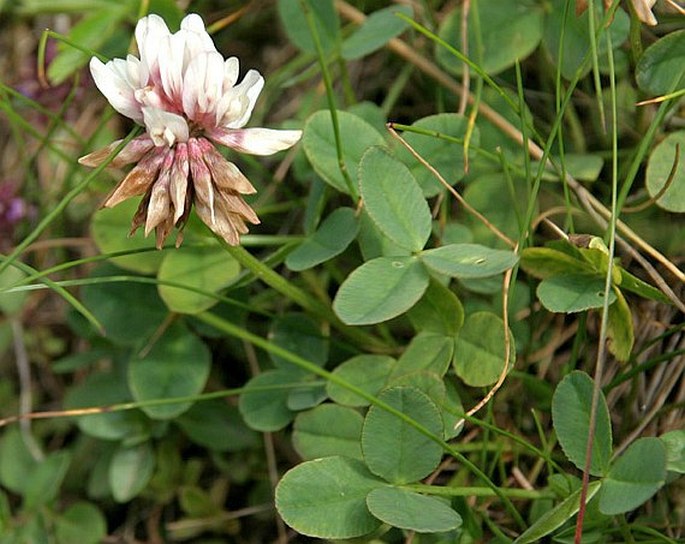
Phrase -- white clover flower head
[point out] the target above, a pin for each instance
(188, 98)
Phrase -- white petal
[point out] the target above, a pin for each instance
(230, 107)
(213, 83)
(171, 51)
(133, 70)
(231, 70)
(256, 141)
(165, 128)
(151, 25)
(150, 31)
(247, 91)
(195, 39)
(113, 81)
(194, 23)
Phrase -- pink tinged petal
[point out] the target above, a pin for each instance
(246, 92)
(202, 182)
(255, 141)
(179, 180)
(132, 152)
(160, 199)
(213, 82)
(113, 81)
(165, 128)
(171, 66)
(192, 83)
(227, 225)
(225, 228)
(138, 180)
(202, 85)
(225, 174)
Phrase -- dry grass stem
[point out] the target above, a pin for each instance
(452, 190)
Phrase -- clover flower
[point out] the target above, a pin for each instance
(188, 98)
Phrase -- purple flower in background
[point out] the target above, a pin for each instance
(13, 210)
(189, 99)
